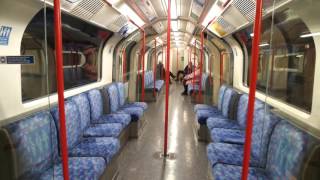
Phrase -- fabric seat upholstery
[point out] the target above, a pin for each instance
(96, 109)
(105, 147)
(122, 101)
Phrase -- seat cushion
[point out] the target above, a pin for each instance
(142, 105)
(214, 122)
(232, 172)
(135, 112)
(122, 118)
(85, 168)
(103, 130)
(203, 115)
(114, 97)
(205, 107)
(224, 153)
(232, 136)
(105, 147)
(192, 88)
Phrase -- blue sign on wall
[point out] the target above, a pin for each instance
(4, 35)
(16, 59)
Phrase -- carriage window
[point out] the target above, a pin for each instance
(287, 59)
(81, 54)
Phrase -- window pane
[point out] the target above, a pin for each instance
(286, 67)
(82, 44)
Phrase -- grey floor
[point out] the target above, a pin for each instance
(140, 158)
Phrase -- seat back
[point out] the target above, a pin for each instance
(114, 97)
(243, 108)
(221, 94)
(73, 126)
(226, 101)
(204, 81)
(34, 143)
(96, 104)
(83, 104)
(121, 93)
(288, 150)
(263, 126)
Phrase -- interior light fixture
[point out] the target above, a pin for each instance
(174, 14)
(214, 12)
(127, 11)
(264, 44)
(251, 34)
(310, 35)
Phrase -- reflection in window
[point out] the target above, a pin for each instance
(81, 54)
(286, 67)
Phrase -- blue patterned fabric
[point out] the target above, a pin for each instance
(35, 141)
(135, 112)
(232, 136)
(203, 115)
(123, 119)
(121, 94)
(105, 147)
(83, 104)
(288, 148)
(214, 122)
(159, 84)
(198, 107)
(104, 130)
(148, 79)
(96, 104)
(232, 172)
(204, 79)
(224, 153)
(142, 105)
(84, 168)
(114, 99)
(226, 101)
(243, 108)
(72, 122)
(221, 94)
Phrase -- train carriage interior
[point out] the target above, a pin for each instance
(159, 89)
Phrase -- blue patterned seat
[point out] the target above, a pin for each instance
(192, 88)
(96, 109)
(84, 168)
(105, 147)
(96, 130)
(214, 122)
(209, 107)
(232, 172)
(232, 136)
(122, 101)
(36, 151)
(135, 112)
(287, 154)
(264, 124)
(203, 115)
(149, 82)
(159, 85)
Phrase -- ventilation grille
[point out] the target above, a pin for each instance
(246, 7)
(117, 23)
(87, 8)
(225, 25)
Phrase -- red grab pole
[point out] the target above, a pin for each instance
(252, 91)
(221, 67)
(143, 55)
(165, 148)
(154, 67)
(194, 64)
(124, 64)
(201, 64)
(60, 88)
(161, 70)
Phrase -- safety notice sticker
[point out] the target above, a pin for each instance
(4, 35)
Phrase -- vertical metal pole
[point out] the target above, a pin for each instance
(167, 81)
(252, 91)
(154, 68)
(124, 64)
(60, 88)
(221, 67)
(143, 55)
(201, 64)
(177, 60)
(194, 64)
